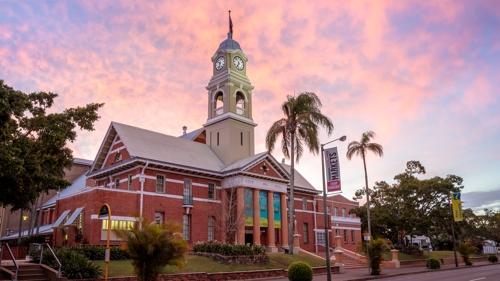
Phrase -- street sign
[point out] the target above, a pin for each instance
(366, 236)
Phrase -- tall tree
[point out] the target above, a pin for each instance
(361, 148)
(298, 129)
(33, 144)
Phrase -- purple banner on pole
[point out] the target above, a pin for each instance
(332, 170)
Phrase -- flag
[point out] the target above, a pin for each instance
(230, 24)
(456, 204)
(332, 170)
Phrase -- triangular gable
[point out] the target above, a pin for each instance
(253, 165)
(104, 149)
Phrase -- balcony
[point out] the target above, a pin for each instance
(187, 200)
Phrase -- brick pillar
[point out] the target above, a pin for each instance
(223, 212)
(284, 222)
(256, 217)
(240, 209)
(271, 245)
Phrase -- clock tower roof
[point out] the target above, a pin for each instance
(229, 44)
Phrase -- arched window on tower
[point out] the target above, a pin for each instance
(240, 104)
(219, 104)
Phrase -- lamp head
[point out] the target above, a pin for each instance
(343, 138)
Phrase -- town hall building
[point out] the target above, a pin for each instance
(209, 180)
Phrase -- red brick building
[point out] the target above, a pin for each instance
(209, 180)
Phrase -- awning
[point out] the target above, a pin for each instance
(60, 219)
(73, 216)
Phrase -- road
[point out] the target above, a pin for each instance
(484, 273)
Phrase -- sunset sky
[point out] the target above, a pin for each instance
(423, 75)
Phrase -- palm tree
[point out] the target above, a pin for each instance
(361, 149)
(153, 247)
(297, 129)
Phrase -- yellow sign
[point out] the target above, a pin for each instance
(456, 204)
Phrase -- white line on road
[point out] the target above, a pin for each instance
(477, 279)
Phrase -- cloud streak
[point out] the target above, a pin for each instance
(423, 75)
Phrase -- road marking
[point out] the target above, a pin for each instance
(477, 279)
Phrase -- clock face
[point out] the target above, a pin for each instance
(219, 63)
(238, 63)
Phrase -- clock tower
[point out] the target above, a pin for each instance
(229, 127)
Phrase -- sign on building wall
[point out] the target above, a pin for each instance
(456, 203)
(277, 210)
(332, 170)
(248, 207)
(264, 222)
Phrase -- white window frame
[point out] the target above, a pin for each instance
(129, 182)
(186, 226)
(160, 183)
(211, 228)
(320, 238)
(336, 212)
(304, 203)
(117, 183)
(345, 236)
(211, 191)
(352, 237)
(306, 240)
(343, 212)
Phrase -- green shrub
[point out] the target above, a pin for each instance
(466, 250)
(433, 263)
(376, 249)
(492, 258)
(229, 249)
(74, 264)
(300, 271)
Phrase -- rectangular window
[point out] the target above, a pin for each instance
(211, 226)
(304, 203)
(129, 182)
(343, 212)
(345, 236)
(328, 209)
(159, 217)
(186, 227)
(336, 211)
(320, 238)
(160, 184)
(117, 183)
(105, 184)
(115, 224)
(217, 138)
(211, 191)
(187, 197)
(352, 236)
(241, 138)
(305, 233)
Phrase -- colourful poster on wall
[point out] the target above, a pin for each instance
(248, 207)
(277, 210)
(263, 208)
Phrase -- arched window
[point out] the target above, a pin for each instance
(219, 104)
(240, 104)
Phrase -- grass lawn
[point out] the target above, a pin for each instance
(202, 264)
(434, 254)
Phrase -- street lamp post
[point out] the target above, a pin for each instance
(327, 244)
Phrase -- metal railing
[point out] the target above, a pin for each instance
(53, 254)
(12, 257)
(187, 200)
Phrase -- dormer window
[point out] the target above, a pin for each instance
(240, 104)
(118, 157)
(219, 104)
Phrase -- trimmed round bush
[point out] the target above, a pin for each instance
(493, 259)
(300, 271)
(433, 263)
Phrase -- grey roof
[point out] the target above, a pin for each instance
(192, 135)
(156, 146)
(82, 161)
(299, 180)
(44, 229)
(229, 44)
(244, 162)
(75, 187)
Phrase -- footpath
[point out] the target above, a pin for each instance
(359, 274)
